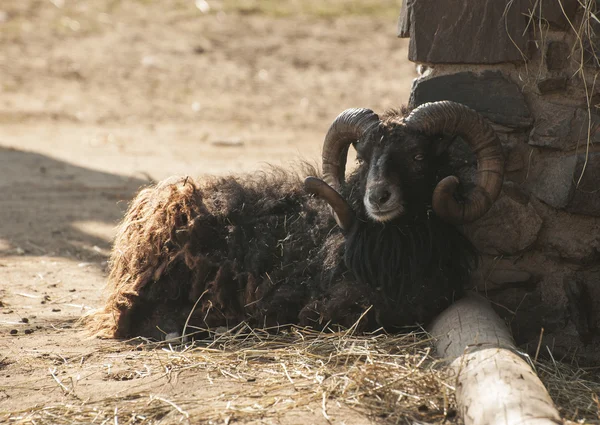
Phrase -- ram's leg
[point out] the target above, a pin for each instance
(494, 384)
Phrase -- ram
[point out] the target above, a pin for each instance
(262, 248)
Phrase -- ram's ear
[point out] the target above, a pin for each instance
(442, 143)
(342, 212)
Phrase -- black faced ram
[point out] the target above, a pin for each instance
(259, 248)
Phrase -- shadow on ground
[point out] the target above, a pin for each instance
(51, 207)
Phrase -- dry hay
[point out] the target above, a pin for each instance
(575, 391)
(388, 378)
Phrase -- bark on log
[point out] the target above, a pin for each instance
(494, 384)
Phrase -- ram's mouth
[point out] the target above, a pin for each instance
(384, 215)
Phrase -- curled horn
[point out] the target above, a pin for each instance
(342, 211)
(456, 119)
(347, 128)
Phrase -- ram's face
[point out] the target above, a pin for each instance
(400, 169)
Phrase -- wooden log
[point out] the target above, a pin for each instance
(494, 384)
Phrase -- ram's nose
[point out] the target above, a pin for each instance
(378, 196)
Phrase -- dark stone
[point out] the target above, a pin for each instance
(514, 160)
(504, 277)
(591, 55)
(463, 31)
(557, 55)
(586, 186)
(531, 313)
(497, 279)
(490, 93)
(550, 180)
(591, 46)
(580, 126)
(553, 127)
(562, 182)
(515, 192)
(583, 294)
(552, 12)
(496, 273)
(509, 227)
(552, 84)
(568, 238)
(516, 152)
(564, 127)
(571, 243)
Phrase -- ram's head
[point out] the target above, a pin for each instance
(399, 163)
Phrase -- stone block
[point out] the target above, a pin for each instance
(551, 180)
(591, 43)
(509, 276)
(564, 127)
(515, 192)
(552, 128)
(557, 55)
(516, 160)
(565, 237)
(516, 152)
(583, 292)
(532, 313)
(552, 84)
(570, 242)
(509, 227)
(579, 128)
(586, 186)
(463, 31)
(571, 182)
(557, 13)
(489, 93)
(499, 278)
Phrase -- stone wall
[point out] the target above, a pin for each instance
(529, 66)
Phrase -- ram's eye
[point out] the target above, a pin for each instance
(419, 157)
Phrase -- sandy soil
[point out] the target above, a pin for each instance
(98, 98)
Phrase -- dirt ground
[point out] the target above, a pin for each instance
(98, 98)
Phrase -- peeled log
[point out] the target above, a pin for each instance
(494, 385)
